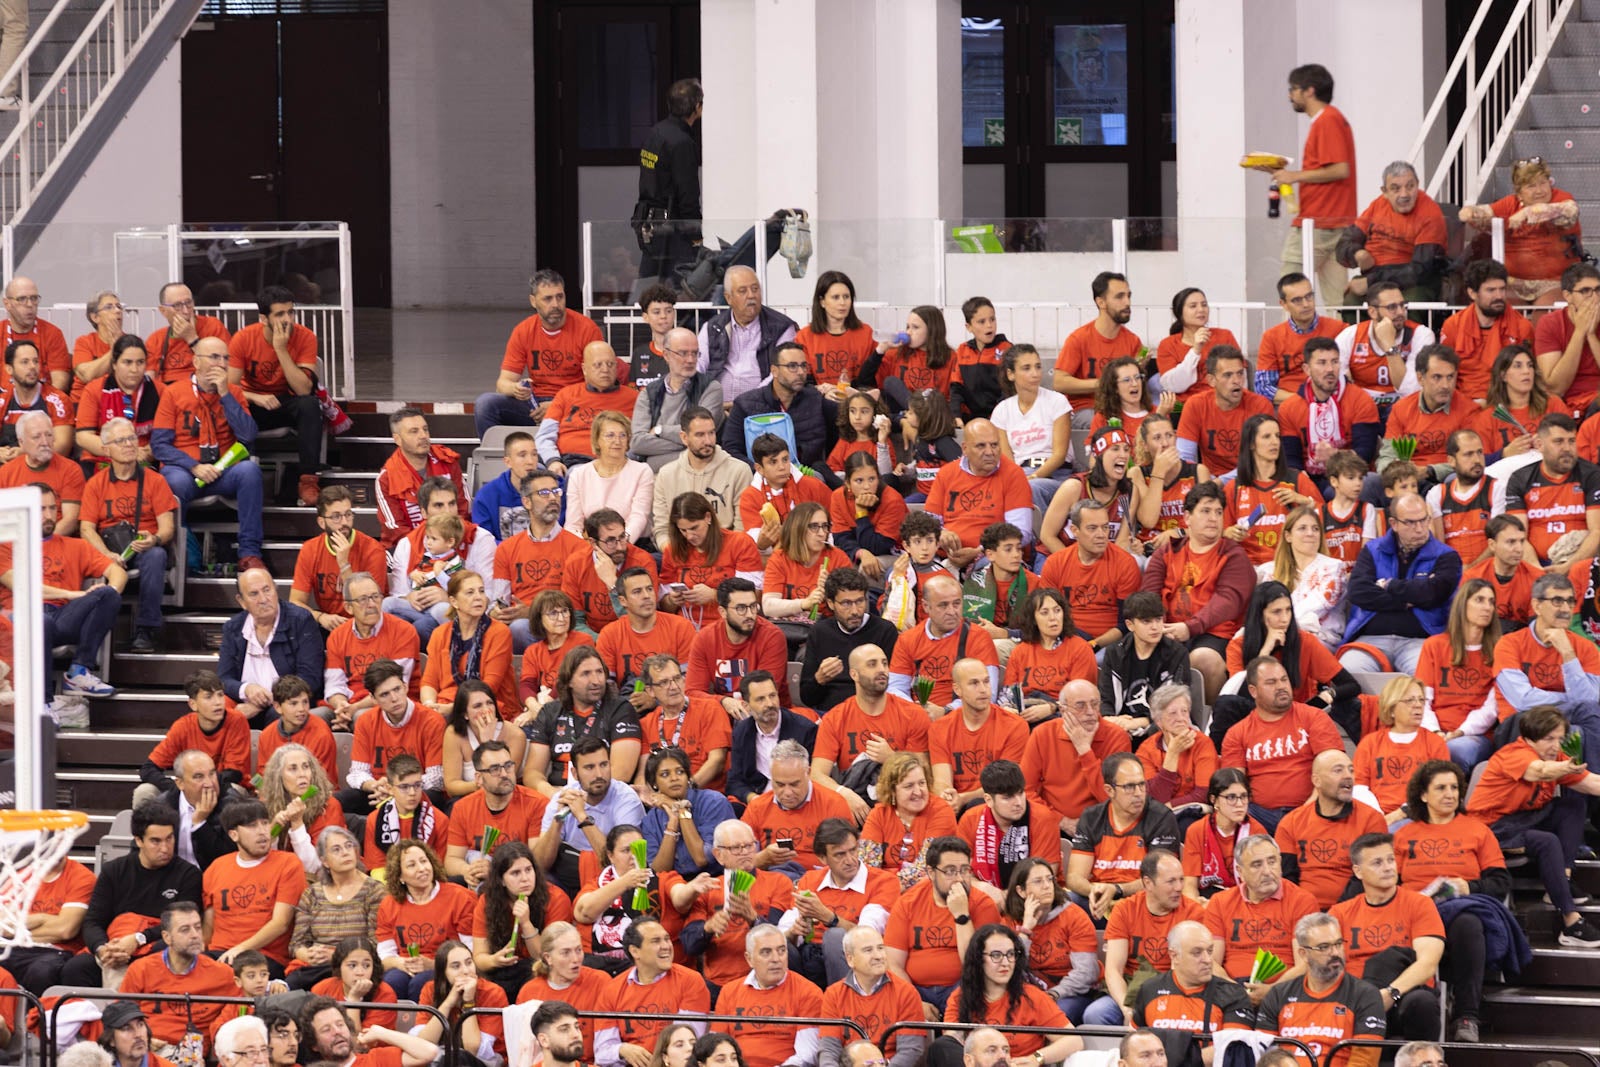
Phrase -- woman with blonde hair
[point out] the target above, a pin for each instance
(286, 781)
(559, 974)
(614, 481)
(1543, 237)
(906, 817)
(1316, 581)
(468, 645)
(1456, 669)
(1386, 758)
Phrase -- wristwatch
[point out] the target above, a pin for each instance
(1394, 994)
(586, 822)
(963, 920)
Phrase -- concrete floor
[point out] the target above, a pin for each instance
(429, 355)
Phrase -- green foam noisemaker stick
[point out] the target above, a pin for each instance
(305, 798)
(922, 688)
(1267, 966)
(742, 881)
(641, 895)
(1572, 744)
(235, 453)
(1405, 448)
(512, 947)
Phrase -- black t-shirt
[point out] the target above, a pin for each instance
(614, 720)
(648, 366)
(1174, 1014)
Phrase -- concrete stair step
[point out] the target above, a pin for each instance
(297, 523)
(107, 790)
(115, 749)
(1555, 147)
(1515, 1047)
(138, 709)
(1579, 39)
(1574, 110)
(281, 555)
(159, 668)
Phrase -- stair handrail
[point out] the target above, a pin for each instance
(18, 70)
(1463, 169)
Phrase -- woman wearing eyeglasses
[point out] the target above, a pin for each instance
(1543, 237)
(995, 990)
(792, 588)
(474, 719)
(1208, 847)
(612, 480)
(550, 623)
(1063, 950)
(91, 353)
(1385, 758)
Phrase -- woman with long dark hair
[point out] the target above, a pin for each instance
(1456, 669)
(1106, 481)
(1062, 945)
(1318, 679)
(995, 990)
(862, 430)
(928, 442)
(1517, 399)
(1264, 490)
(699, 555)
(456, 986)
(1209, 844)
(1049, 655)
(468, 645)
(517, 901)
(925, 361)
(716, 1049)
(474, 719)
(355, 979)
(1124, 395)
(837, 343)
(1035, 422)
(1181, 355)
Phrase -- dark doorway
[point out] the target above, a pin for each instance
(286, 119)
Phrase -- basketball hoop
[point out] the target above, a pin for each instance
(31, 844)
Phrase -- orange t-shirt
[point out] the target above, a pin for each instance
(968, 504)
(703, 728)
(1321, 845)
(1093, 591)
(916, 653)
(1478, 345)
(583, 587)
(894, 1001)
(67, 562)
(676, 990)
(1243, 927)
(1317, 666)
(1261, 541)
(228, 745)
(1056, 938)
(924, 929)
(1371, 928)
(746, 1006)
(1392, 237)
(588, 993)
(1003, 735)
(377, 740)
(520, 820)
(1171, 350)
(551, 360)
(241, 900)
(575, 407)
(1457, 691)
(738, 554)
(252, 353)
(790, 580)
(316, 735)
(1041, 670)
(395, 639)
(1278, 754)
(1215, 432)
(71, 888)
(405, 923)
(902, 844)
(802, 490)
(541, 663)
(1037, 1008)
(1539, 250)
(47, 337)
(1503, 790)
(723, 961)
(1464, 847)
(771, 822)
(534, 566)
(61, 474)
(1330, 205)
(1061, 779)
(170, 1019)
(197, 419)
(1196, 764)
(557, 909)
(1496, 432)
(1044, 834)
(846, 729)
(380, 993)
(1513, 600)
(882, 889)
(1385, 765)
(887, 517)
(108, 501)
(1086, 351)
(1130, 920)
(316, 569)
(1282, 348)
(50, 400)
(173, 360)
(910, 365)
(837, 358)
(1521, 651)
(1190, 581)
(624, 650)
(488, 995)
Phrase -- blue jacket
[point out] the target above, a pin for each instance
(1506, 947)
(707, 808)
(1425, 588)
(743, 778)
(497, 507)
(296, 649)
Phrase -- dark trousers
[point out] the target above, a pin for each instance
(1269, 818)
(306, 977)
(408, 986)
(1416, 1016)
(81, 970)
(151, 578)
(511, 979)
(1550, 836)
(37, 969)
(946, 1052)
(84, 623)
(1465, 957)
(302, 414)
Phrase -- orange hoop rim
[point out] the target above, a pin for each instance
(50, 819)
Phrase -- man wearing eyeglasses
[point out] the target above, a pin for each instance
(327, 559)
(1377, 354)
(529, 562)
(170, 348)
(563, 437)
(516, 811)
(22, 323)
(1114, 837)
(590, 578)
(1400, 591)
(788, 389)
(1399, 240)
(1566, 342)
(1280, 355)
(665, 399)
(931, 924)
(367, 636)
(1546, 663)
(720, 917)
(1557, 497)
(1480, 330)
(696, 725)
(1327, 1004)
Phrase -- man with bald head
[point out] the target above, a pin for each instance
(197, 422)
(23, 323)
(1189, 999)
(960, 746)
(198, 797)
(1400, 592)
(1062, 762)
(931, 650)
(1315, 838)
(658, 437)
(544, 354)
(860, 734)
(738, 346)
(981, 490)
(563, 437)
(268, 639)
(788, 390)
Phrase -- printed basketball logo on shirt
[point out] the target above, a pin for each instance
(1429, 441)
(1545, 676)
(534, 571)
(971, 500)
(122, 507)
(1222, 441)
(356, 666)
(550, 360)
(1043, 678)
(1321, 849)
(1467, 678)
(1258, 929)
(831, 363)
(918, 378)
(932, 937)
(417, 933)
(1374, 937)
(1396, 768)
(758, 1011)
(1430, 847)
(777, 833)
(936, 666)
(261, 370)
(1153, 949)
(240, 897)
(327, 585)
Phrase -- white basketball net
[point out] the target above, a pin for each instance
(26, 857)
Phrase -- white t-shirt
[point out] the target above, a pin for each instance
(1032, 436)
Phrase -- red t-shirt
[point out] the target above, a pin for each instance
(1282, 348)
(1553, 333)
(1214, 432)
(1095, 590)
(968, 504)
(1478, 346)
(1539, 250)
(552, 360)
(1431, 429)
(1278, 754)
(241, 899)
(1331, 205)
(1457, 691)
(1171, 350)
(1086, 351)
(1502, 790)
(837, 358)
(108, 501)
(1392, 238)
(251, 353)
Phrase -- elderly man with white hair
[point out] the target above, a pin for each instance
(241, 1041)
(872, 996)
(38, 461)
(738, 345)
(771, 991)
(129, 508)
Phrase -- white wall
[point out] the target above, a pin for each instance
(461, 152)
(126, 185)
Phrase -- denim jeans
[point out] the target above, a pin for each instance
(241, 483)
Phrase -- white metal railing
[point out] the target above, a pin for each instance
(1495, 97)
(52, 118)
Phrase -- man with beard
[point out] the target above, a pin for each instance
(1006, 829)
(654, 985)
(858, 737)
(986, 1047)
(1325, 415)
(424, 606)
(642, 632)
(125, 1033)
(785, 818)
(1561, 493)
(767, 723)
(1480, 330)
(1087, 350)
(1377, 353)
(932, 923)
(870, 996)
(1325, 1005)
(515, 811)
(1208, 429)
(586, 706)
(1505, 566)
(1400, 590)
(1189, 999)
(1315, 838)
(579, 817)
(543, 354)
(825, 680)
(531, 561)
(963, 745)
(28, 391)
(558, 1033)
(1094, 574)
(1282, 356)
(702, 468)
(326, 1030)
(1460, 505)
(788, 389)
(834, 899)
(1546, 663)
(1259, 912)
(325, 560)
(770, 990)
(725, 652)
(1277, 743)
(1114, 837)
(415, 459)
(182, 968)
(1398, 241)
(1565, 339)
(590, 579)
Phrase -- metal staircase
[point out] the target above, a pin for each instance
(1561, 124)
(84, 65)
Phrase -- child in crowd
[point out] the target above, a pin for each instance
(1399, 478)
(975, 390)
(920, 535)
(1347, 520)
(441, 546)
